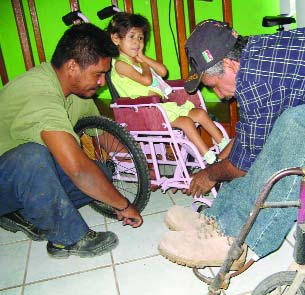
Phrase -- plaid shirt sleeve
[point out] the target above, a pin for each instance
(271, 79)
(260, 105)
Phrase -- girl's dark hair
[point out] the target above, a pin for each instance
(86, 44)
(122, 22)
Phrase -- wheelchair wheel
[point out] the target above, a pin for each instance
(278, 284)
(110, 145)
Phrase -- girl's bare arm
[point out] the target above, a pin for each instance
(126, 70)
(158, 67)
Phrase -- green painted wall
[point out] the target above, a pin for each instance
(247, 18)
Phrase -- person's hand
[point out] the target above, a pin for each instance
(140, 57)
(200, 184)
(130, 216)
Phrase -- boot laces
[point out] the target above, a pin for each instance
(90, 235)
(209, 228)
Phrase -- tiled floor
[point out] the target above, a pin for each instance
(133, 268)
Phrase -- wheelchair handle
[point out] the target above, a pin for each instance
(108, 12)
(73, 16)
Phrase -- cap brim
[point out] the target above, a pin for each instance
(192, 82)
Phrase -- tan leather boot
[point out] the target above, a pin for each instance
(185, 219)
(194, 250)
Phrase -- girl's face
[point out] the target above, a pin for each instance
(132, 43)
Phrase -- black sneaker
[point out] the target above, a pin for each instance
(14, 222)
(93, 244)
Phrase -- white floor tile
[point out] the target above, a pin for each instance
(138, 242)
(181, 199)
(95, 282)
(10, 237)
(156, 275)
(139, 269)
(92, 217)
(158, 202)
(14, 291)
(275, 262)
(290, 237)
(13, 259)
(41, 266)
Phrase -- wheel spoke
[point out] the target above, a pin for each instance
(107, 143)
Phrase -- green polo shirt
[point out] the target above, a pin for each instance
(34, 102)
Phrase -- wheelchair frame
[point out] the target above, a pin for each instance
(163, 146)
(222, 279)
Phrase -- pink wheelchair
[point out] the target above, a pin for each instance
(142, 150)
(171, 157)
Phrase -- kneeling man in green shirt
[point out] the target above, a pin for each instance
(45, 176)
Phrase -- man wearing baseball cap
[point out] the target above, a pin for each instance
(266, 75)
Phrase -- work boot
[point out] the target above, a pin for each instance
(179, 218)
(194, 250)
(14, 222)
(92, 244)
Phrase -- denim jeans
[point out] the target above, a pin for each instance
(284, 148)
(32, 181)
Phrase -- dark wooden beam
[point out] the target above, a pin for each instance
(37, 33)
(191, 10)
(227, 11)
(3, 73)
(180, 23)
(156, 29)
(227, 17)
(23, 34)
(128, 6)
(74, 5)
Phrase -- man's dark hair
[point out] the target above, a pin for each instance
(86, 44)
(122, 22)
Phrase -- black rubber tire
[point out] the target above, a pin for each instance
(137, 189)
(281, 279)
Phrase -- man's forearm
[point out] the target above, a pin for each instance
(80, 169)
(204, 180)
(223, 171)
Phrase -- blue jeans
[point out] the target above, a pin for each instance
(284, 148)
(32, 181)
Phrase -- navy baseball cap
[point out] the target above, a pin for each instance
(209, 43)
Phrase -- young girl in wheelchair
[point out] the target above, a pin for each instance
(135, 74)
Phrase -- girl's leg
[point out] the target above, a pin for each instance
(202, 117)
(190, 130)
